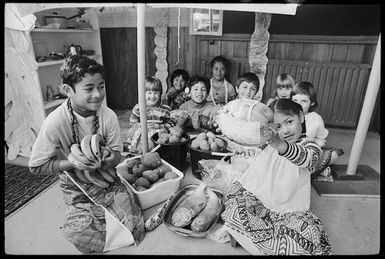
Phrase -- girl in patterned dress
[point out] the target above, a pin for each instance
(158, 116)
(267, 208)
(221, 91)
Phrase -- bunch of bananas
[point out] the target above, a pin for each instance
(91, 152)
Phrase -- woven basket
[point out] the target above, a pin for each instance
(246, 122)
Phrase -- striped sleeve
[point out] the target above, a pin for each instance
(304, 153)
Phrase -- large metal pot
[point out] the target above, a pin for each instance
(62, 20)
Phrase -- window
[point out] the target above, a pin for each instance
(206, 21)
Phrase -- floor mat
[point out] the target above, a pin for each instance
(369, 187)
(21, 186)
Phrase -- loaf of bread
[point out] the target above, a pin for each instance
(246, 122)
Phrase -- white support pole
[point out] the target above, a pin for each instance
(366, 112)
(141, 42)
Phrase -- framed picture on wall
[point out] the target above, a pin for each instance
(206, 21)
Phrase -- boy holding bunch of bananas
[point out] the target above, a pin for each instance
(69, 144)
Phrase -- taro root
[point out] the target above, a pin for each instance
(151, 175)
(130, 178)
(162, 170)
(151, 160)
(141, 181)
(176, 131)
(137, 170)
(174, 139)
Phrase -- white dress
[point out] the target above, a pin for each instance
(315, 128)
(267, 209)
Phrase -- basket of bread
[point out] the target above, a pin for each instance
(246, 121)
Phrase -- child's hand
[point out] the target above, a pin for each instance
(79, 163)
(276, 142)
(110, 157)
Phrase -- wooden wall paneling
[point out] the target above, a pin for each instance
(235, 69)
(172, 52)
(296, 72)
(228, 48)
(294, 51)
(323, 61)
(337, 115)
(267, 89)
(208, 68)
(309, 52)
(119, 59)
(324, 52)
(305, 72)
(274, 75)
(355, 53)
(321, 91)
(150, 68)
(343, 103)
(328, 92)
(314, 78)
(187, 50)
(241, 49)
(349, 96)
(368, 54)
(333, 95)
(214, 48)
(360, 89)
(190, 50)
(204, 48)
(280, 50)
(247, 66)
(340, 52)
(355, 96)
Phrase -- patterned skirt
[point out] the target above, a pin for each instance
(85, 225)
(269, 232)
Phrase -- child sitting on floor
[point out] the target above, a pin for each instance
(221, 91)
(200, 111)
(284, 86)
(176, 94)
(87, 224)
(247, 86)
(305, 94)
(158, 116)
(267, 208)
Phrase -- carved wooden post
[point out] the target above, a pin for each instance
(258, 49)
(160, 28)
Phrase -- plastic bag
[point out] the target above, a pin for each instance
(219, 174)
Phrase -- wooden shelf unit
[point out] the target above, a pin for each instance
(46, 40)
